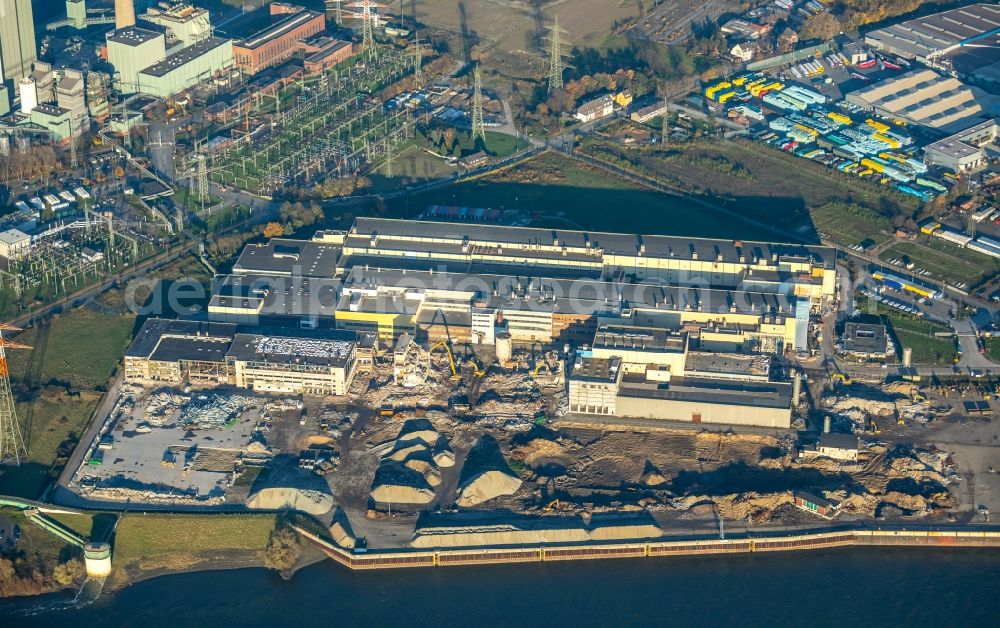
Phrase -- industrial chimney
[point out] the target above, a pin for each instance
(124, 13)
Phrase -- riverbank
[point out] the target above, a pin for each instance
(988, 537)
(828, 587)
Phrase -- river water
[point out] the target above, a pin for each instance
(863, 587)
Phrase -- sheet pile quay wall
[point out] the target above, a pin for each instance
(391, 559)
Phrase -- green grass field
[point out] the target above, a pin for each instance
(918, 334)
(993, 348)
(79, 350)
(767, 185)
(173, 542)
(840, 224)
(563, 193)
(945, 261)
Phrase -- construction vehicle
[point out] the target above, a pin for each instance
(842, 378)
(876, 430)
(451, 357)
(386, 409)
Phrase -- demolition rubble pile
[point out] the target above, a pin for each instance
(410, 471)
(214, 410)
(174, 496)
(859, 404)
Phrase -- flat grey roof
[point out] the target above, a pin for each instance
(713, 391)
(280, 256)
(580, 295)
(148, 336)
(279, 295)
(932, 35)
(839, 441)
(865, 338)
(175, 348)
(287, 347)
(133, 36)
(277, 29)
(596, 369)
(610, 243)
(184, 56)
(641, 338)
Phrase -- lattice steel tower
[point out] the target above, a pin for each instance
(418, 72)
(557, 65)
(478, 125)
(11, 443)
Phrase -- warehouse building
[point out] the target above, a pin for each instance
(186, 68)
(601, 386)
(271, 360)
(132, 49)
(305, 302)
(293, 365)
(594, 385)
(931, 37)
(468, 307)
(926, 98)
(964, 151)
(325, 52)
(866, 340)
(793, 269)
(287, 258)
(277, 42)
(174, 351)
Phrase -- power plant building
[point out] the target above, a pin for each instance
(17, 41)
(278, 41)
(186, 68)
(183, 24)
(131, 50)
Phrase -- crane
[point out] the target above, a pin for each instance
(11, 443)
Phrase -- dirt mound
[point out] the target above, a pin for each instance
(418, 430)
(486, 486)
(403, 450)
(539, 451)
(341, 531)
(485, 475)
(398, 484)
(280, 498)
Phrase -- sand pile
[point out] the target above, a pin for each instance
(341, 531)
(396, 483)
(485, 475)
(282, 498)
(409, 471)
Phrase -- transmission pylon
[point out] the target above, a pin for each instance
(418, 72)
(11, 444)
(478, 125)
(334, 7)
(388, 158)
(557, 56)
(202, 180)
(368, 12)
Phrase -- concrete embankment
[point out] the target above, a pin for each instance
(390, 559)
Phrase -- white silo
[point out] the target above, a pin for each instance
(29, 95)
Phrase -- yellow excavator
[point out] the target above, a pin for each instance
(845, 380)
(451, 358)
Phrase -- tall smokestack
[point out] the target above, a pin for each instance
(124, 13)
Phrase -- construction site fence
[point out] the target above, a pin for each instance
(392, 559)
